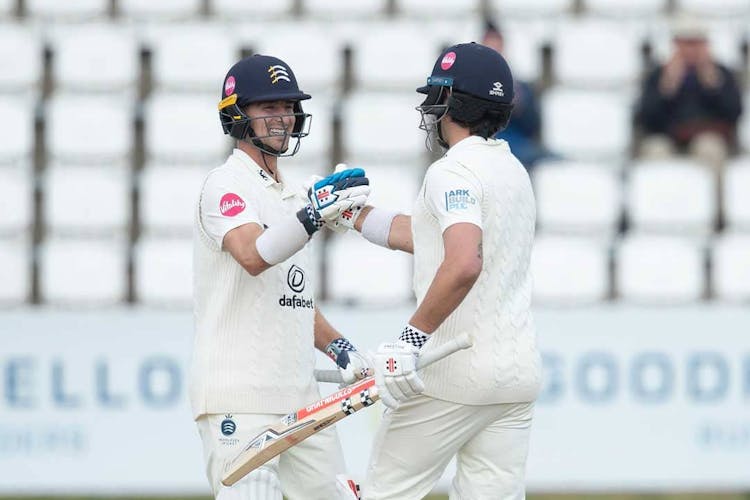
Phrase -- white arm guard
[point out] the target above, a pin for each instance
(282, 240)
(377, 226)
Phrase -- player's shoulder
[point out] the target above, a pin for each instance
(449, 167)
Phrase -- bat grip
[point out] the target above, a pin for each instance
(457, 343)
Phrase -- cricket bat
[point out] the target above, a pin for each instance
(303, 423)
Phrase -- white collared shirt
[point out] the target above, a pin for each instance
(480, 182)
(254, 348)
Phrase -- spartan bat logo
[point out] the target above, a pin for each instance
(278, 72)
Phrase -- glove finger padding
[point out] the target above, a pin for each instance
(357, 368)
(385, 395)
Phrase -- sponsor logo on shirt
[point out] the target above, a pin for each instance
(458, 199)
(228, 427)
(295, 278)
(296, 301)
(231, 205)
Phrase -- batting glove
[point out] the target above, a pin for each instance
(396, 373)
(352, 364)
(338, 192)
(332, 195)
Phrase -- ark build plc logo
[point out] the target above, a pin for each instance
(458, 199)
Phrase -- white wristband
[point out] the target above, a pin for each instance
(282, 240)
(377, 226)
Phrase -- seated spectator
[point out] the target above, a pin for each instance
(523, 131)
(692, 103)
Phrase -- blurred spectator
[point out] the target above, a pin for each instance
(523, 132)
(692, 103)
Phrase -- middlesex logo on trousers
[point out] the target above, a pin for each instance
(231, 205)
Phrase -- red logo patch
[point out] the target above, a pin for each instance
(391, 365)
(231, 205)
(229, 86)
(448, 60)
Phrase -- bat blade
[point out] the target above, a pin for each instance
(298, 426)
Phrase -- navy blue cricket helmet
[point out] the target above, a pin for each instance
(469, 82)
(260, 78)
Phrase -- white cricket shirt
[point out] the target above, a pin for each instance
(480, 182)
(254, 346)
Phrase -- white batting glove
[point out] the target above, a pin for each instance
(352, 364)
(338, 192)
(396, 373)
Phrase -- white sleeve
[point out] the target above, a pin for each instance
(225, 205)
(453, 194)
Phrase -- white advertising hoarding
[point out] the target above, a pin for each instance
(634, 399)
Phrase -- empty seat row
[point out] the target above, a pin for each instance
(678, 197)
(181, 9)
(639, 268)
(194, 56)
(184, 127)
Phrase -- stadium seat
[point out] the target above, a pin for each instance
(20, 59)
(109, 49)
(570, 270)
(718, 8)
(586, 124)
(191, 58)
(736, 194)
(394, 185)
(577, 198)
(382, 127)
(86, 200)
(163, 271)
(659, 270)
(385, 280)
(168, 198)
(89, 129)
(314, 55)
(184, 128)
(671, 196)
(336, 10)
(15, 268)
(148, 10)
(234, 9)
(531, 8)
(393, 56)
(730, 267)
(82, 271)
(55, 10)
(7, 8)
(16, 130)
(584, 52)
(450, 9)
(522, 49)
(619, 8)
(16, 201)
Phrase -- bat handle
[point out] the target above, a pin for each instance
(457, 343)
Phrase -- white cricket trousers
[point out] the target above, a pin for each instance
(416, 441)
(306, 471)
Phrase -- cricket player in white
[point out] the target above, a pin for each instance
(471, 234)
(256, 323)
